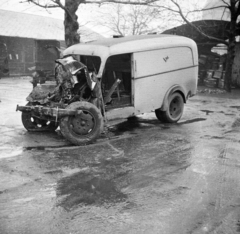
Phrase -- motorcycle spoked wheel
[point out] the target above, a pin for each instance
(34, 124)
(83, 128)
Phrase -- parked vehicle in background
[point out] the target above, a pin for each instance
(112, 79)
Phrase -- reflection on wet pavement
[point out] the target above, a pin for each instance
(236, 107)
(8, 152)
(191, 121)
(134, 125)
(142, 176)
(84, 189)
(140, 163)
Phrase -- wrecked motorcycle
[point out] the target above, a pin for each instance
(74, 103)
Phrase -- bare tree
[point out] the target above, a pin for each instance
(174, 6)
(233, 7)
(141, 16)
(71, 24)
(128, 20)
(177, 7)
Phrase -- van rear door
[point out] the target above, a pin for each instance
(156, 71)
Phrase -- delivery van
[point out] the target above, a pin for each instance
(116, 78)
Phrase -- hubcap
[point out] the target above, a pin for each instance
(34, 122)
(83, 124)
(175, 107)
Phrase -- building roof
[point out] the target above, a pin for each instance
(17, 24)
(215, 12)
(214, 28)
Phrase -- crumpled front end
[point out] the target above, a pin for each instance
(73, 83)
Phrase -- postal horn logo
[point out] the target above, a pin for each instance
(166, 59)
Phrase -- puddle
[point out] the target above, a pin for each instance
(83, 189)
(217, 137)
(8, 152)
(35, 147)
(236, 123)
(207, 111)
(191, 121)
(24, 200)
(165, 127)
(238, 226)
(236, 107)
(134, 124)
(53, 172)
(213, 137)
(127, 126)
(50, 147)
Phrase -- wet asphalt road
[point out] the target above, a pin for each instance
(142, 176)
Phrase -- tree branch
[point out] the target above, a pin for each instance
(125, 2)
(198, 29)
(207, 9)
(57, 4)
(226, 3)
(40, 5)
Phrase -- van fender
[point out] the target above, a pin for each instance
(173, 89)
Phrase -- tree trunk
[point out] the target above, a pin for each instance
(70, 23)
(231, 47)
(229, 66)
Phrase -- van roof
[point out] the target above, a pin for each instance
(121, 40)
(129, 44)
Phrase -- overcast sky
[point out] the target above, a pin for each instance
(85, 13)
(15, 5)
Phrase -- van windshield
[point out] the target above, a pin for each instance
(92, 62)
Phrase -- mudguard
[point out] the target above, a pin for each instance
(41, 93)
(175, 88)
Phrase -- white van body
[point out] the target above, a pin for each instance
(159, 66)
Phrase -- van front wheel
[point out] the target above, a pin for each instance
(174, 110)
(83, 128)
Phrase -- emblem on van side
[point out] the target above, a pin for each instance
(166, 59)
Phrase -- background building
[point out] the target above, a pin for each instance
(24, 39)
(212, 55)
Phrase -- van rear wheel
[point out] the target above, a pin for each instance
(174, 110)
